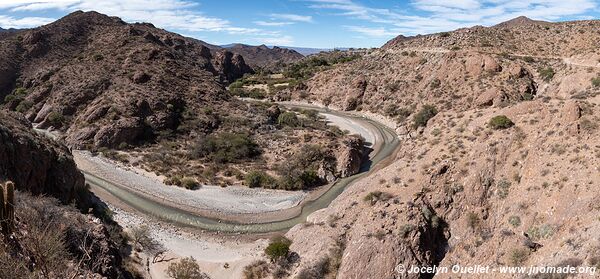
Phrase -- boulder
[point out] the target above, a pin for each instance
(349, 156)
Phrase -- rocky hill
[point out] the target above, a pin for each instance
(47, 237)
(497, 164)
(263, 56)
(465, 69)
(105, 82)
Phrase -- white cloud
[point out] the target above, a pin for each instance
(293, 17)
(168, 14)
(277, 41)
(26, 22)
(372, 31)
(441, 15)
(272, 23)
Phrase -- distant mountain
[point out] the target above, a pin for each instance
(308, 50)
(9, 30)
(264, 56)
(520, 21)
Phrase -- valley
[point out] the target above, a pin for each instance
(129, 151)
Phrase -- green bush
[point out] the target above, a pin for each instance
(473, 220)
(18, 94)
(299, 180)
(596, 82)
(186, 268)
(375, 196)
(423, 116)
(503, 188)
(278, 248)
(288, 118)
(225, 148)
(56, 118)
(514, 220)
(256, 179)
(500, 122)
(546, 73)
(24, 106)
(518, 256)
(189, 183)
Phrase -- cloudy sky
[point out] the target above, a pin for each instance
(307, 23)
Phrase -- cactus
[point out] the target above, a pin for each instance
(7, 207)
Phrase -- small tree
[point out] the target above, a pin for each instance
(546, 73)
(187, 268)
(423, 116)
(56, 118)
(288, 118)
(141, 236)
(501, 122)
(278, 248)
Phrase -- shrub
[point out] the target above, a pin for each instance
(444, 34)
(376, 196)
(17, 94)
(288, 118)
(541, 232)
(299, 179)
(97, 57)
(528, 59)
(546, 73)
(257, 270)
(423, 116)
(56, 118)
(186, 268)
(473, 220)
(503, 188)
(500, 122)
(518, 256)
(225, 148)
(189, 183)
(588, 125)
(278, 248)
(596, 82)
(515, 221)
(141, 236)
(24, 106)
(255, 179)
(435, 83)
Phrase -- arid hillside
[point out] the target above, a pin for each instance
(458, 71)
(498, 160)
(265, 57)
(105, 82)
(44, 235)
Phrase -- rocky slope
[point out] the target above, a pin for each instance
(456, 70)
(464, 189)
(105, 82)
(35, 163)
(265, 57)
(46, 180)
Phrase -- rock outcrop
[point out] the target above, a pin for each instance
(34, 163)
(265, 57)
(350, 156)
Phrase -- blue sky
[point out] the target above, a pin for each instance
(305, 23)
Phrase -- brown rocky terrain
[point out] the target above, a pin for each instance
(88, 71)
(265, 57)
(105, 84)
(34, 162)
(464, 189)
(49, 238)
